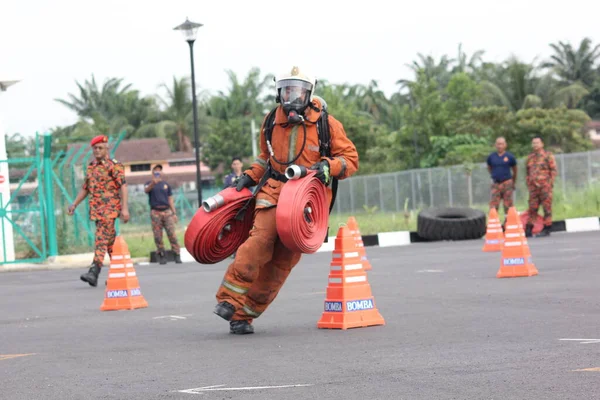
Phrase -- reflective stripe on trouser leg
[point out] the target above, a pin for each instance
(234, 288)
(251, 312)
(257, 250)
(271, 278)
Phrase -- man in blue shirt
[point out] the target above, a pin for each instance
(162, 214)
(500, 163)
(236, 167)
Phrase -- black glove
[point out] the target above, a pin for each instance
(322, 169)
(243, 181)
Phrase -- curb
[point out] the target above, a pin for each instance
(404, 238)
(58, 265)
(382, 239)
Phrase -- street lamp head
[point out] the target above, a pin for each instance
(188, 29)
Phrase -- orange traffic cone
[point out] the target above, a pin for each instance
(360, 246)
(122, 287)
(349, 302)
(516, 256)
(494, 237)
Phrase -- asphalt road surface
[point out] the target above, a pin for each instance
(453, 331)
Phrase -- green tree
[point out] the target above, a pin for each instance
(561, 129)
(574, 65)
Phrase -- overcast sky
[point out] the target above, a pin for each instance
(51, 44)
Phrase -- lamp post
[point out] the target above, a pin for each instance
(189, 30)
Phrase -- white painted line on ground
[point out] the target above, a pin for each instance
(429, 270)
(583, 341)
(173, 317)
(220, 388)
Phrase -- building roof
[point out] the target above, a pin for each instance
(173, 179)
(148, 150)
(140, 150)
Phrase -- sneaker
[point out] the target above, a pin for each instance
(240, 327)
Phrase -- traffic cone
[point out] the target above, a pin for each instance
(360, 246)
(494, 237)
(349, 302)
(122, 287)
(516, 257)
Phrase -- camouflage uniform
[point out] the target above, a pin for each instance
(541, 173)
(502, 191)
(103, 181)
(164, 219)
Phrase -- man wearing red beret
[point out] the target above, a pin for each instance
(105, 183)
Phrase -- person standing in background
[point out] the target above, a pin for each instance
(541, 173)
(500, 163)
(162, 214)
(236, 167)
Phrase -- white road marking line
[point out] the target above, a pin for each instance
(220, 388)
(173, 317)
(583, 341)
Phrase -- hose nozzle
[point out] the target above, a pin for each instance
(295, 172)
(212, 203)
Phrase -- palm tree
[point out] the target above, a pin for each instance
(470, 66)
(439, 71)
(572, 65)
(176, 115)
(94, 99)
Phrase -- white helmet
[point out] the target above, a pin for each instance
(295, 90)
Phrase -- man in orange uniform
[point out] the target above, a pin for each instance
(105, 183)
(263, 263)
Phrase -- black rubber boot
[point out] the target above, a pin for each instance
(224, 310)
(162, 259)
(91, 276)
(528, 230)
(545, 231)
(240, 327)
(177, 259)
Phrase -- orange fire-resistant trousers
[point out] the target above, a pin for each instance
(261, 266)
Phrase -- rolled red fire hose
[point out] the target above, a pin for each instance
(302, 212)
(302, 219)
(213, 233)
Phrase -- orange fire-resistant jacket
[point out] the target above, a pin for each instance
(286, 143)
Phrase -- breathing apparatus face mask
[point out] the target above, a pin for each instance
(294, 96)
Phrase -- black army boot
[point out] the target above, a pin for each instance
(162, 257)
(225, 310)
(545, 231)
(177, 258)
(91, 276)
(528, 230)
(240, 327)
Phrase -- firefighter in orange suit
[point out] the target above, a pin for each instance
(263, 263)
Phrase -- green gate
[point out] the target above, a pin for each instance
(24, 210)
(41, 189)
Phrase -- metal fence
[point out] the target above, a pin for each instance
(454, 186)
(438, 187)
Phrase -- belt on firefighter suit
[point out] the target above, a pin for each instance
(302, 219)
